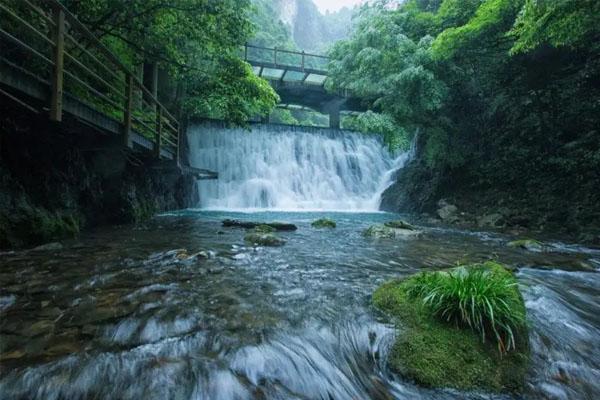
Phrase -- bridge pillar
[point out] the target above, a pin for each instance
(334, 119)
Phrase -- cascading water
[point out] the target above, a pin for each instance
(291, 168)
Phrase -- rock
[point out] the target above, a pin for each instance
(54, 246)
(40, 328)
(264, 229)
(380, 231)
(436, 353)
(447, 212)
(528, 244)
(324, 223)
(264, 239)
(494, 220)
(399, 224)
(279, 226)
(13, 355)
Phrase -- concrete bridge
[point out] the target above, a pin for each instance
(300, 79)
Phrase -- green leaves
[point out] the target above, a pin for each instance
(482, 297)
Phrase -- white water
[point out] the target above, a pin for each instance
(291, 168)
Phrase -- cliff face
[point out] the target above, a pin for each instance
(58, 179)
(311, 30)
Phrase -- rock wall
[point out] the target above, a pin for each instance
(56, 179)
(545, 205)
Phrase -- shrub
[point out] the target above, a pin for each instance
(481, 297)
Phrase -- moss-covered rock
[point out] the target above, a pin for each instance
(264, 239)
(380, 231)
(264, 229)
(399, 224)
(435, 353)
(324, 223)
(528, 244)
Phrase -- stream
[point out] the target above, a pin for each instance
(132, 312)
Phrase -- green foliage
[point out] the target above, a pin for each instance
(484, 298)
(394, 136)
(489, 85)
(556, 22)
(196, 42)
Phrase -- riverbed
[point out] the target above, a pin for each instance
(182, 308)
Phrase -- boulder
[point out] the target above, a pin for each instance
(264, 239)
(399, 224)
(278, 226)
(324, 223)
(447, 212)
(528, 244)
(436, 353)
(493, 220)
(380, 231)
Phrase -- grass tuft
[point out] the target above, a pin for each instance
(478, 297)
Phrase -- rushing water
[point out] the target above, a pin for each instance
(121, 314)
(288, 168)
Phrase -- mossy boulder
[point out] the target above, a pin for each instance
(528, 244)
(399, 224)
(382, 231)
(264, 229)
(324, 223)
(435, 353)
(264, 239)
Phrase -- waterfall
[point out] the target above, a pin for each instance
(291, 168)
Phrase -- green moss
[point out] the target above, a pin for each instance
(264, 239)
(437, 354)
(264, 229)
(324, 223)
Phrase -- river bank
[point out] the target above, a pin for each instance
(56, 180)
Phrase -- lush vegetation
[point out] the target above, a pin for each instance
(505, 94)
(196, 43)
(438, 352)
(481, 298)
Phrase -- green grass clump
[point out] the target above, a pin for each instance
(324, 223)
(482, 298)
(436, 351)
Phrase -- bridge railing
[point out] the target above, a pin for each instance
(285, 58)
(44, 39)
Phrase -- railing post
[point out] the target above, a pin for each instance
(246, 51)
(128, 109)
(177, 144)
(302, 60)
(56, 100)
(158, 133)
(275, 55)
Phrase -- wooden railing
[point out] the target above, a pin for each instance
(45, 39)
(286, 58)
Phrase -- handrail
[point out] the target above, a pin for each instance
(252, 46)
(276, 62)
(91, 70)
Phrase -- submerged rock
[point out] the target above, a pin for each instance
(278, 226)
(54, 246)
(528, 244)
(324, 223)
(399, 224)
(436, 353)
(380, 231)
(264, 239)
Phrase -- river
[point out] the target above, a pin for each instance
(182, 308)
